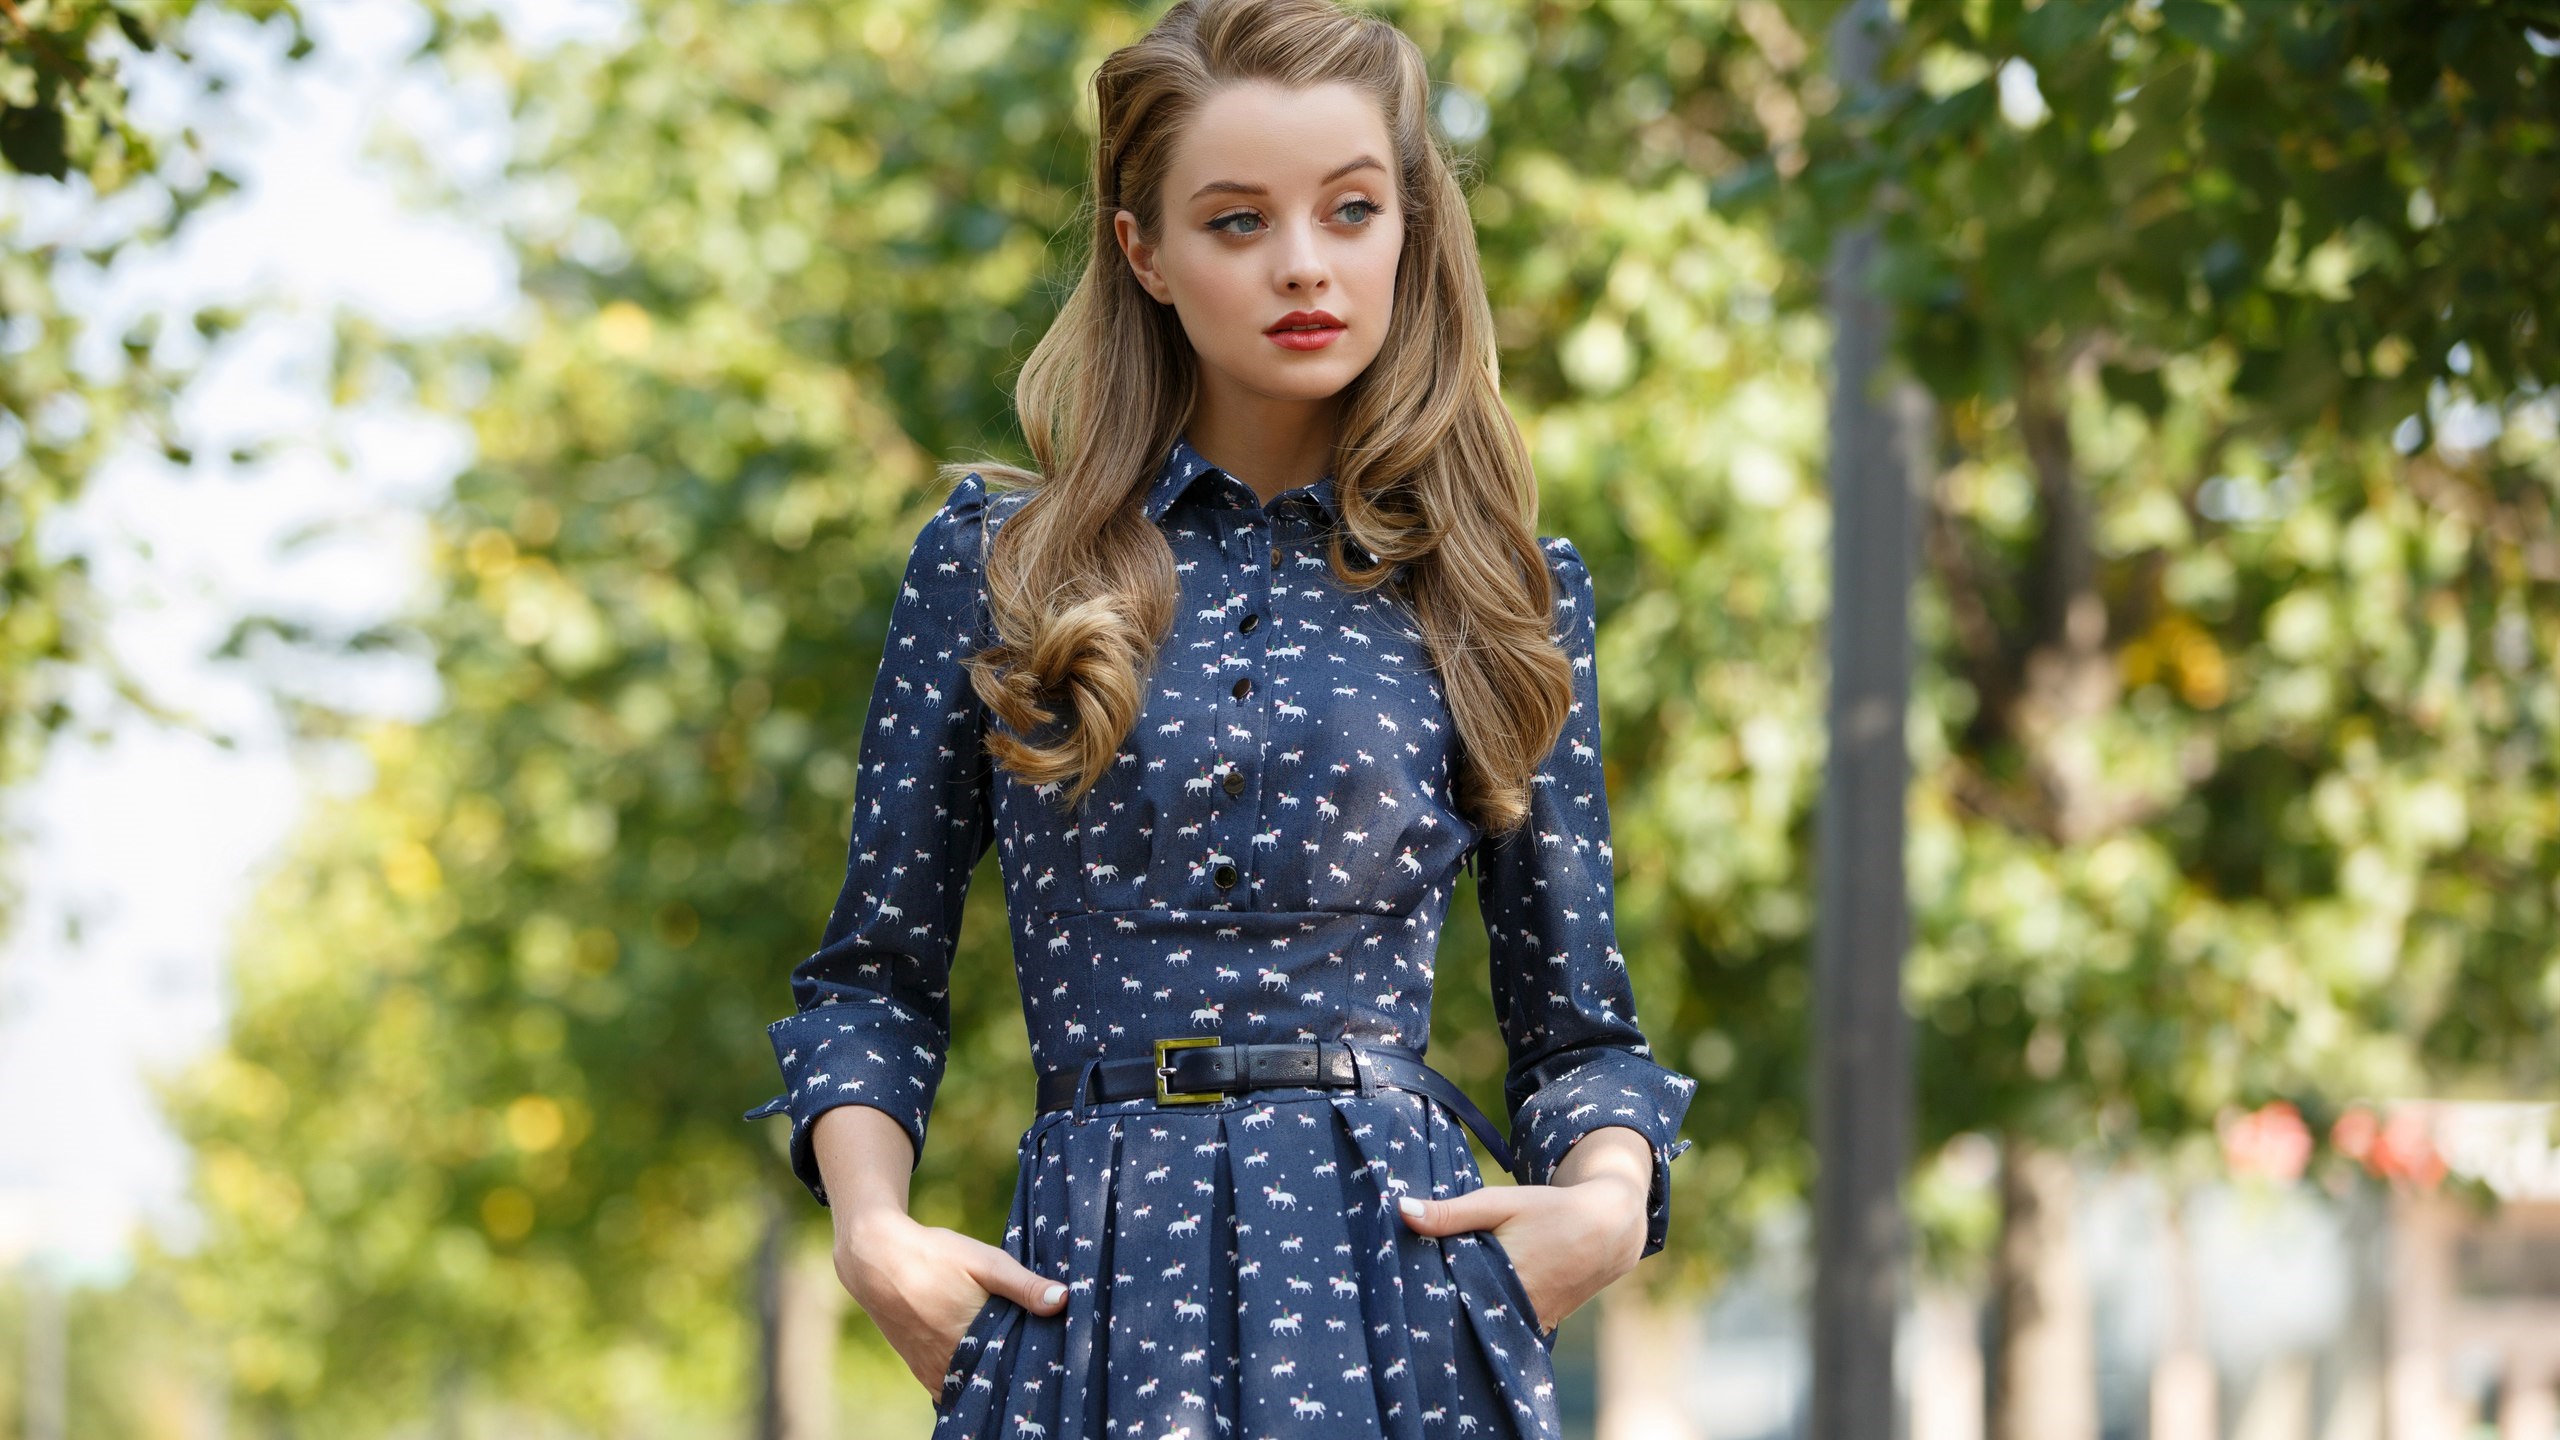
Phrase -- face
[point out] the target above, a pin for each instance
(1278, 201)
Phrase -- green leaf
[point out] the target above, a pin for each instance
(1958, 114)
(2204, 23)
(2051, 30)
(31, 139)
(2139, 388)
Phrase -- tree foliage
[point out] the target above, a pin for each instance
(2236, 732)
(2235, 727)
(67, 402)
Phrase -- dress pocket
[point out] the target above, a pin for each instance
(1517, 1289)
(972, 1360)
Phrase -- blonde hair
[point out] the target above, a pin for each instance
(1431, 474)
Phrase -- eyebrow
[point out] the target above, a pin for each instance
(1238, 187)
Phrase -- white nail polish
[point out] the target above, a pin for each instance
(1410, 1206)
(1053, 1294)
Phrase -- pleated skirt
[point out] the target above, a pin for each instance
(1238, 1271)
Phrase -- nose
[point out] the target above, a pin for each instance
(1302, 267)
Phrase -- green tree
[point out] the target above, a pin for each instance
(2236, 747)
(65, 135)
(63, 127)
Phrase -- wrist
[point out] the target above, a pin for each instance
(872, 1229)
(1610, 1173)
(1614, 1203)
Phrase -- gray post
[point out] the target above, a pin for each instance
(48, 1392)
(769, 1262)
(1862, 1089)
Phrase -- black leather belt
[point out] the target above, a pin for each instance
(1193, 1070)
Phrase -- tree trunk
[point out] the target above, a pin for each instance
(2280, 1402)
(1861, 1082)
(2044, 1356)
(1648, 1351)
(48, 1392)
(813, 1306)
(799, 1306)
(2184, 1399)
(1947, 1401)
(452, 1402)
(2046, 1385)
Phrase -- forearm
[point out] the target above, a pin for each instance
(865, 1158)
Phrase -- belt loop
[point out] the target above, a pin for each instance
(1361, 1066)
(1084, 1088)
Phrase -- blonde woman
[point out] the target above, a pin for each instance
(1265, 653)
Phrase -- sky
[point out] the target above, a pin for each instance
(137, 852)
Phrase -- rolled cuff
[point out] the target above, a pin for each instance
(1606, 1087)
(861, 1051)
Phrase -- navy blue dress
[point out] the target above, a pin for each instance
(1269, 858)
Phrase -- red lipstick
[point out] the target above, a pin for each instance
(1305, 330)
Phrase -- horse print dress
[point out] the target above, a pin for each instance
(1268, 858)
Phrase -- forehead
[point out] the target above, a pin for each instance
(1257, 133)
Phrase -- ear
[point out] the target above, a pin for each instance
(1141, 256)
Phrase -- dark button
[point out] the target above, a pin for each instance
(1244, 687)
(1235, 782)
(1247, 623)
(1275, 557)
(1225, 875)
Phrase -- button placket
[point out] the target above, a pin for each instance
(1248, 636)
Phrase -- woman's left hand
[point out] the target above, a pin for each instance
(1569, 1238)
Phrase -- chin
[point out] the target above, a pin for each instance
(1298, 381)
(1307, 385)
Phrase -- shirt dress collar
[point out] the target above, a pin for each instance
(1183, 465)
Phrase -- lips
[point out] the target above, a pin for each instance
(1303, 320)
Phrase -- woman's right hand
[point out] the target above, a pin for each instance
(922, 1285)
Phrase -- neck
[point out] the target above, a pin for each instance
(1273, 445)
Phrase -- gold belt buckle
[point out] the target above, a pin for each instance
(1183, 1042)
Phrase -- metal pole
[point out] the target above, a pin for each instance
(1862, 1088)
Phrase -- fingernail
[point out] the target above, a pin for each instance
(1410, 1207)
(1053, 1294)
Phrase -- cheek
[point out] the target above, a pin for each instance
(1376, 273)
(1374, 283)
(1218, 294)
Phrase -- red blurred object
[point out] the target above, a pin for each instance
(2271, 1141)
(2405, 1150)
(2397, 1146)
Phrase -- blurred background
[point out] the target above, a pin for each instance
(456, 460)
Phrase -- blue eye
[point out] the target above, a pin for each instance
(1372, 208)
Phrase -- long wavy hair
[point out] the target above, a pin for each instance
(1431, 473)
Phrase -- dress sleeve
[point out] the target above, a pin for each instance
(873, 1023)
(1560, 991)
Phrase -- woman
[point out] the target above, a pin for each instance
(1267, 651)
